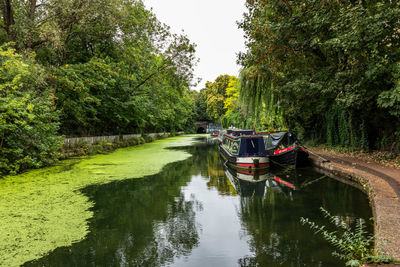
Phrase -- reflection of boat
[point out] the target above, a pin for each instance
(284, 183)
(292, 181)
(281, 185)
(247, 184)
(243, 150)
(283, 149)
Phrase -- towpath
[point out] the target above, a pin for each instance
(382, 183)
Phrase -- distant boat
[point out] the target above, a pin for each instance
(215, 133)
(244, 150)
(284, 149)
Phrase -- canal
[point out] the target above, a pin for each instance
(197, 212)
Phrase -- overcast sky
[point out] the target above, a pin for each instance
(211, 24)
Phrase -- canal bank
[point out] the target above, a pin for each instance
(381, 183)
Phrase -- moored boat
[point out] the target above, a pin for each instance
(243, 150)
(215, 133)
(284, 149)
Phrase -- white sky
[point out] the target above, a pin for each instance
(211, 24)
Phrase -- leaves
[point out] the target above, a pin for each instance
(354, 245)
(314, 56)
(28, 120)
(88, 68)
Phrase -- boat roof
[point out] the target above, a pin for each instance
(242, 132)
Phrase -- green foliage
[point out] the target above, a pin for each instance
(106, 67)
(141, 140)
(390, 99)
(148, 138)
(28, 120)
(216, 96)
(101, 146)
(114, 67)
(201, 105)
(354, 246)
(330, 67)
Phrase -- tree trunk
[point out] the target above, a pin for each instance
(8, 18)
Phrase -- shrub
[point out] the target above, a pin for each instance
(28, 119)
(101, 146)
(141, 140)
(148, 138)
(356, 247)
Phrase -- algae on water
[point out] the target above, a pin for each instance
(44, 209)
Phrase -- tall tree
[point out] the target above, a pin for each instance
(216, 94)
(329, 65)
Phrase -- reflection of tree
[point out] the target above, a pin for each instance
(174, 237)
(216, 174)
(139, 222)
(272, 221)
(206, 160)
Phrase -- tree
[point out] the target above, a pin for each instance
(216, 94)
(107, 66)
(201, 105)
(28, 119)
(327, 65)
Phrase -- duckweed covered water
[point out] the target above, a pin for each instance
(195, 212)
(44, 209)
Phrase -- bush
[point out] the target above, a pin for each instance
(141, 140)
(28, 119)
(356, 247)
(148, 138)
(101, 146)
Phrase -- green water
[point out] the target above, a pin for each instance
(44, 209)
(193, 212)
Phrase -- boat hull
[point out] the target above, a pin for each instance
(294, 156)
(244, 163)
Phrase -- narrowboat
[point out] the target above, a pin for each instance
(215, 133)
(284, 149)
(221, 134)
(243, 150)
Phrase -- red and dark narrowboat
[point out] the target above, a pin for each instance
(284, 149)
(243, 150)
(215, 133)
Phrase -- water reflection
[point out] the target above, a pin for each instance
(145, 222)
(246, 183)
(200, 213)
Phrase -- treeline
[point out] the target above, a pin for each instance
(223, 102)
(330, 68)
(85, 67)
